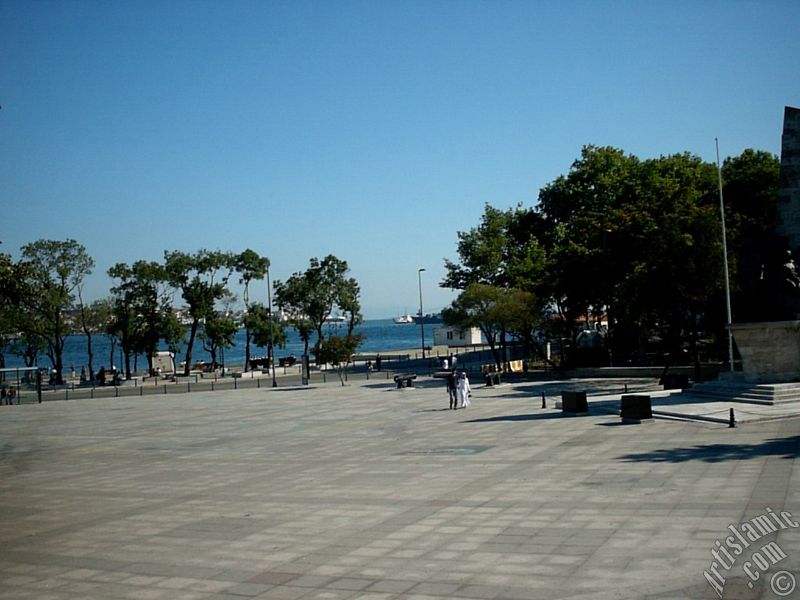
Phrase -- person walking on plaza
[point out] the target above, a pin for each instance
(451, 390)
(464, 390)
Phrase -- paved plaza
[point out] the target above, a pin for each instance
(366, 491)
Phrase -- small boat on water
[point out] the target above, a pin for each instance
(336, 320)
(404, 319)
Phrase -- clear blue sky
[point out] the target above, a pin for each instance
(370, 130)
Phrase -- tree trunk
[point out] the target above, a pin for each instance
(58, 350)
(503, 349)
(495, 352)
(113, 349)
(90, 353)
(29, 356)
(246, 349)
(189, 347)
(213, 352)
(59, 356)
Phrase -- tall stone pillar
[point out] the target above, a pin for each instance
(789, 192)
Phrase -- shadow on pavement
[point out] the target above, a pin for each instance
(780, 447)
(528, 417)
(592, 388)
(291, 389)
(380, 386)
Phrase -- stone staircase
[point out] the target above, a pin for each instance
(740, 391)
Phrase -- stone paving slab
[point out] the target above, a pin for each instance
(366, 491)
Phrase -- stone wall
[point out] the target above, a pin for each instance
(770, 351)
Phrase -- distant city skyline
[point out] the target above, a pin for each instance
(371, 131)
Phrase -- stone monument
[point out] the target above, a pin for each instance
(789, 193)
(770, 350)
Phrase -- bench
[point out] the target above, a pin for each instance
(404, 380)
(260, 362)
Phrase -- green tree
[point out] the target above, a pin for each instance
(506, 252)
(94, 318)
(217, 335)
(309, 298)
(481, 251)
(21, 332)
(750, 189)
(57, 269)
(481, 305)
(264, 329)
(251, 266)
(668, 254)
(580, 210)
(142, 298)
(338, 351)
(202, 279)
(638, 240)
(172, 332)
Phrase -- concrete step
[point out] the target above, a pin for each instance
(762, 393)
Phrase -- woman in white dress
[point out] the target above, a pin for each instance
(464, 390)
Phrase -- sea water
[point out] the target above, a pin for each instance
(380, 335)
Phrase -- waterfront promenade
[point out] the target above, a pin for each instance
(366, 491)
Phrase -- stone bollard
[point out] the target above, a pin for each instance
(574, 403)
(636, 408)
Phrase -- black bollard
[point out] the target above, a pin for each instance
(544, 401)
(731, 421)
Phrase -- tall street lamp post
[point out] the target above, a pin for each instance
(421, 322)
(725, 260)
(271, 353)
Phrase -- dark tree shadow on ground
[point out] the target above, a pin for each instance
(528, 417)
(380, 386)
(781, 447)
(592, 388)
